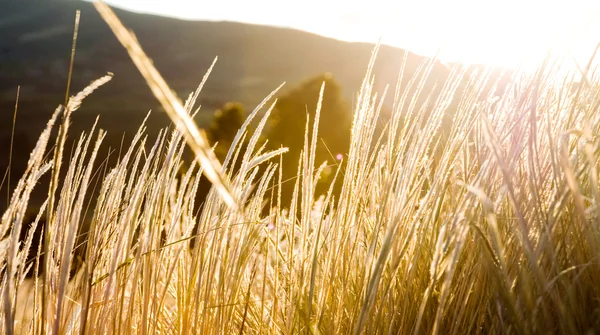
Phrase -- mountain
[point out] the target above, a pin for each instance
(253, 60)
(35, 49)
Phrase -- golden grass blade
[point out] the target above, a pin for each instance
(195, 137)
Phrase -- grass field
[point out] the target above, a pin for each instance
(493, 227)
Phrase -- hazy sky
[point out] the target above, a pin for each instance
(504, 32)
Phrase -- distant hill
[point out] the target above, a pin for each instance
(253, 60)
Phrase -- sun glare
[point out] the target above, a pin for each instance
(509, 33)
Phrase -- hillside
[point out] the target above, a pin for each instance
(253, 60)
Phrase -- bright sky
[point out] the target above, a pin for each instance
(503, 32)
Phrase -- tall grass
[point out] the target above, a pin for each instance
(493, 227)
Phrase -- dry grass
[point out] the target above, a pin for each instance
(494, 230)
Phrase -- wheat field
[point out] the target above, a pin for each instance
(492, 228)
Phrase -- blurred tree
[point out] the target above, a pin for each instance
(288, 123)
(225, 124)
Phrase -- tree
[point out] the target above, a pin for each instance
(288, 123)
(224, 126)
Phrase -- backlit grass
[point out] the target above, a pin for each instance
(493, 227)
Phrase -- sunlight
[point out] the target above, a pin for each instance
(508, 33)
